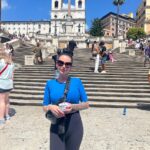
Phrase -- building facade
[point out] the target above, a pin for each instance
(26, 27)
(124, 24)
(68, 18)
(143, 16)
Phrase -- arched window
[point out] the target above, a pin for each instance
(56, 4)
(79, 4)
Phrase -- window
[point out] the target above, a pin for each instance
(56, 4)
(79, 4)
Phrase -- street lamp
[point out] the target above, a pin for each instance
(55, 34)
(118, 3)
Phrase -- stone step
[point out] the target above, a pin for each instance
(86, 76)
(86, 67)
(82, 76)
(44, 79)
(89, 92)
(142, 73)
(124, 85)
(22, 81)
(96, 86)
(112, 65)
(117, 98)
(95, 89)
(92, 104)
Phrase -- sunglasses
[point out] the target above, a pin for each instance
(61, 63)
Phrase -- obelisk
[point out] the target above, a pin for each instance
(69, 19)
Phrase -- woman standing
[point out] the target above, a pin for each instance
(6, 85)
(103, 56)
(76, 100)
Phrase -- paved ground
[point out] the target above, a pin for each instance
(105, 129)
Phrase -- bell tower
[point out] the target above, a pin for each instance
(67, 17)
(57, 4)
(80, 4)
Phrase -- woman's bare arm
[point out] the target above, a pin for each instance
(80, 106)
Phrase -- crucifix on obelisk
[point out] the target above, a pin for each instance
(69, 23)
(69, 7)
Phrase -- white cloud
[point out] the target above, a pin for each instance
(5, 4)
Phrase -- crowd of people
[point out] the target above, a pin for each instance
(101, 55)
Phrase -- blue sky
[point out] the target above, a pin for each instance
(23, 10)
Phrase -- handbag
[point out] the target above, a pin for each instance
(49, 115)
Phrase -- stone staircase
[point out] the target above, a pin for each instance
(124, 85)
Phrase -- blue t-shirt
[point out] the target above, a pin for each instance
(54, 90)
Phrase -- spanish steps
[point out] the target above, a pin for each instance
(124, 85)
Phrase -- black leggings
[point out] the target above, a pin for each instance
(72, 137)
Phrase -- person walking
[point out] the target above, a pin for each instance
(103, 56)
(38, 54)
(87, 42)
(72, 45)
(76, 100)
(95, 54)
(55, 58)
(6, 85)
(147, 54)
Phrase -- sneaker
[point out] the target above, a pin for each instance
(2, 121)
(96, 71)
(7, 117)
(103, 71)
(2, 124)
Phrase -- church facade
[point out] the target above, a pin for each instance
(69, 18)
(66, 19)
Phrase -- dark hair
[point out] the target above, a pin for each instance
(101, 43)
(67, 52)
(58, 51)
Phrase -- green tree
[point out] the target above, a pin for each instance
(96, 29)
(118, 3)
(135, 33)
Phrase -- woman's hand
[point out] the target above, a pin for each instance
(56, 111)
(68, 108)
